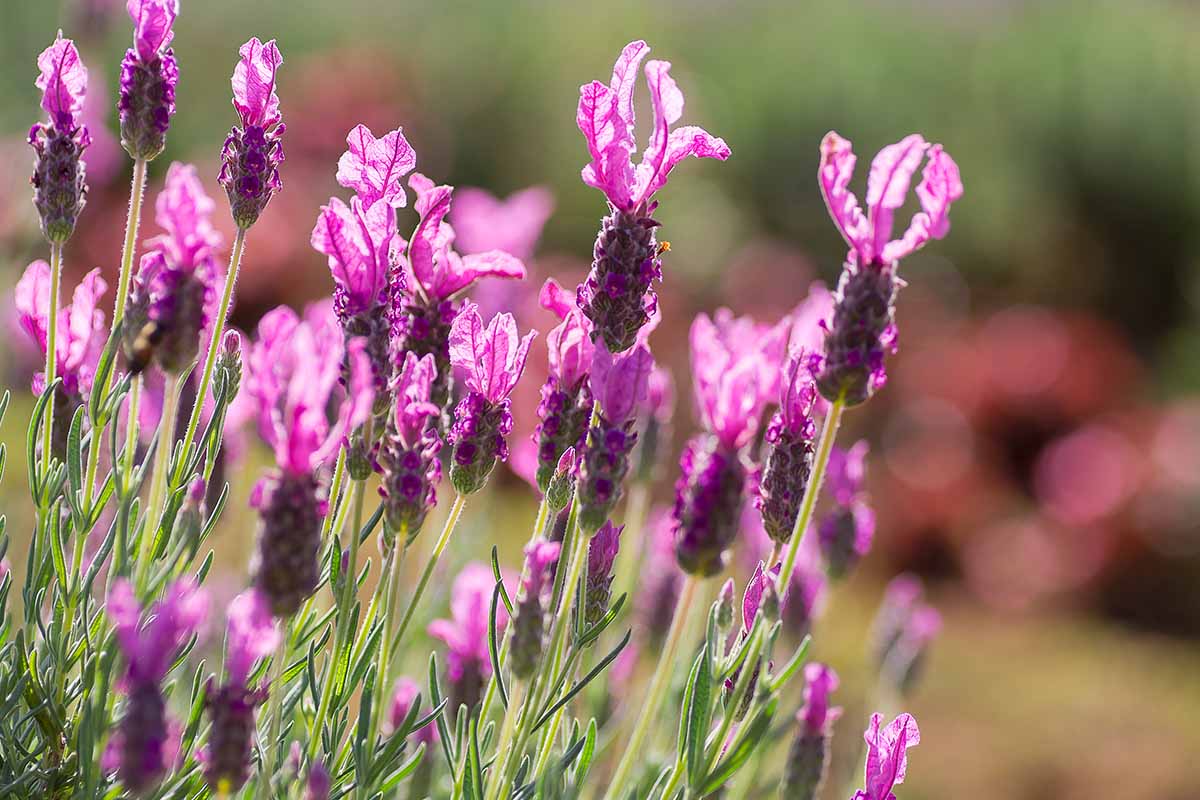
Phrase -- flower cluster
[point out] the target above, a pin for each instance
(252, 153)
(149, 75)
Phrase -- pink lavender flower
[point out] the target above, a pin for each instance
(408, 452)
(789, 462)
(149, 74)
(492, 360)
(808, 759)
(887, 758)
(319, 782)
(903, 629)
(735, 366)
(617, 295)
(468, 664)
(173, 302)
(59, 174)
(252, 154)
(79, 340)
(404, 693)
(252, 635)
(602, 553)
(436, 276)
(142, 749)
(529, 614)
(511, 225)
(846, 532)
(618, 384)
(293, 370)
(862, 328)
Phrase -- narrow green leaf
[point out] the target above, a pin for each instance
(587, 754)
(699, 716)
(748, 738)
(435, 697)
(566, 698)
(500, 582)
(497, 671)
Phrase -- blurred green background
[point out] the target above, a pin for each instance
(1036, 456)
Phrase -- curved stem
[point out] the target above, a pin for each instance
(657, 691)
(820, 463)
(391, 569)
(158, 479)
(235, 262)
(137, 189)
(430, 565)
(51, 356)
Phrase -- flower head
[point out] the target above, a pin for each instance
(375, 168)
(619, 383)
(887, 758)
(602, 554)
(253, 83)
(605, 117)
(819, 682)
(435, 269)
(63, 81)
(81, 327)
(511, 225)
(151, 641)
(152, 21)
(253, 634)
(892, 170)
(569, 344)
(293, 369)
(357, 240)
(491, 358)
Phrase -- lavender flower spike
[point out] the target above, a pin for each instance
(142, 748)
(529, 615)
(253, 634)
(887, 758)
(566, 403)
(59, 174)
(492, 359)
(618, 385)
(846, 532)
(617, 295)
(862, 329)
(789, 462)
(468, 664)
(252, 154)
(602, 553)
(149, 74)
(408, 452)
(808, 758)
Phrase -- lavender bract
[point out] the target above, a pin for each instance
(566, 400)
(149, 74)
(808, 759)
(618, 296)
(408, 451)
(59, 174)
(252, 154)
(887, 758)
(862, 329)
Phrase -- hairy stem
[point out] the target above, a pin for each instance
(137, 189)
(158, 479)
(447, 529)
(51, 355)
(275, 712)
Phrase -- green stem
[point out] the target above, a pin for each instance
(630, 558)
(430, 565)
(51, 355)
(275, 714)
(391, 569)
(137, 189)
(745, 678)
(820, 463)
(235, 262)
(158, 479)
(656, 693)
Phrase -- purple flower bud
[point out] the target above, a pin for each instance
(404, 693)
(808, 758)
(617, 296)
(562, 483)
(602, 553)
(529, 615)
(563, 417)
(708, 505)
(252, 154)
(230, 739)
(287, 564)
(725, 605)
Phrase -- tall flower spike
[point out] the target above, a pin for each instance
(492, 360)
(175, 293)
(78, 343)
(252, 634)
(566, 402)
(862, 328)
(59, 174)
(619, 385)
(529, 614)
(789, 462)
(887, 758)
(735, 372)
(468, 664)
(617, 295)
(602, 553)
(408, 452)
(252, 154)
(808, 759)
(436, 276)
(142, 749)
(846, 532)
(149, 74)
(293, 372)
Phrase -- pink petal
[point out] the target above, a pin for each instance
(152, 20)
(375, 168)
(254, 83)
(940, 186)
(513, 225)
(184, 210)
(253, 633)
(63, 82)
(888, 182)
(833, 175)
(619, 382)
(31, 298)
(468, 347)
(555, 299)
(82, 339)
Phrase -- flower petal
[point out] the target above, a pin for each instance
(375, 168)
(254, 83)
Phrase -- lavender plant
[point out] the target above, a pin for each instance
(117, 690)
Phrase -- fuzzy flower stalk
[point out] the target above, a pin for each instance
(808, 759)
(618, 295)
(492, 359)
(618, 384)
(862, 328)
(252, 635)
(143, 747)
(149, 74)
(293, 373)
(59, 174)
(253, 152)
